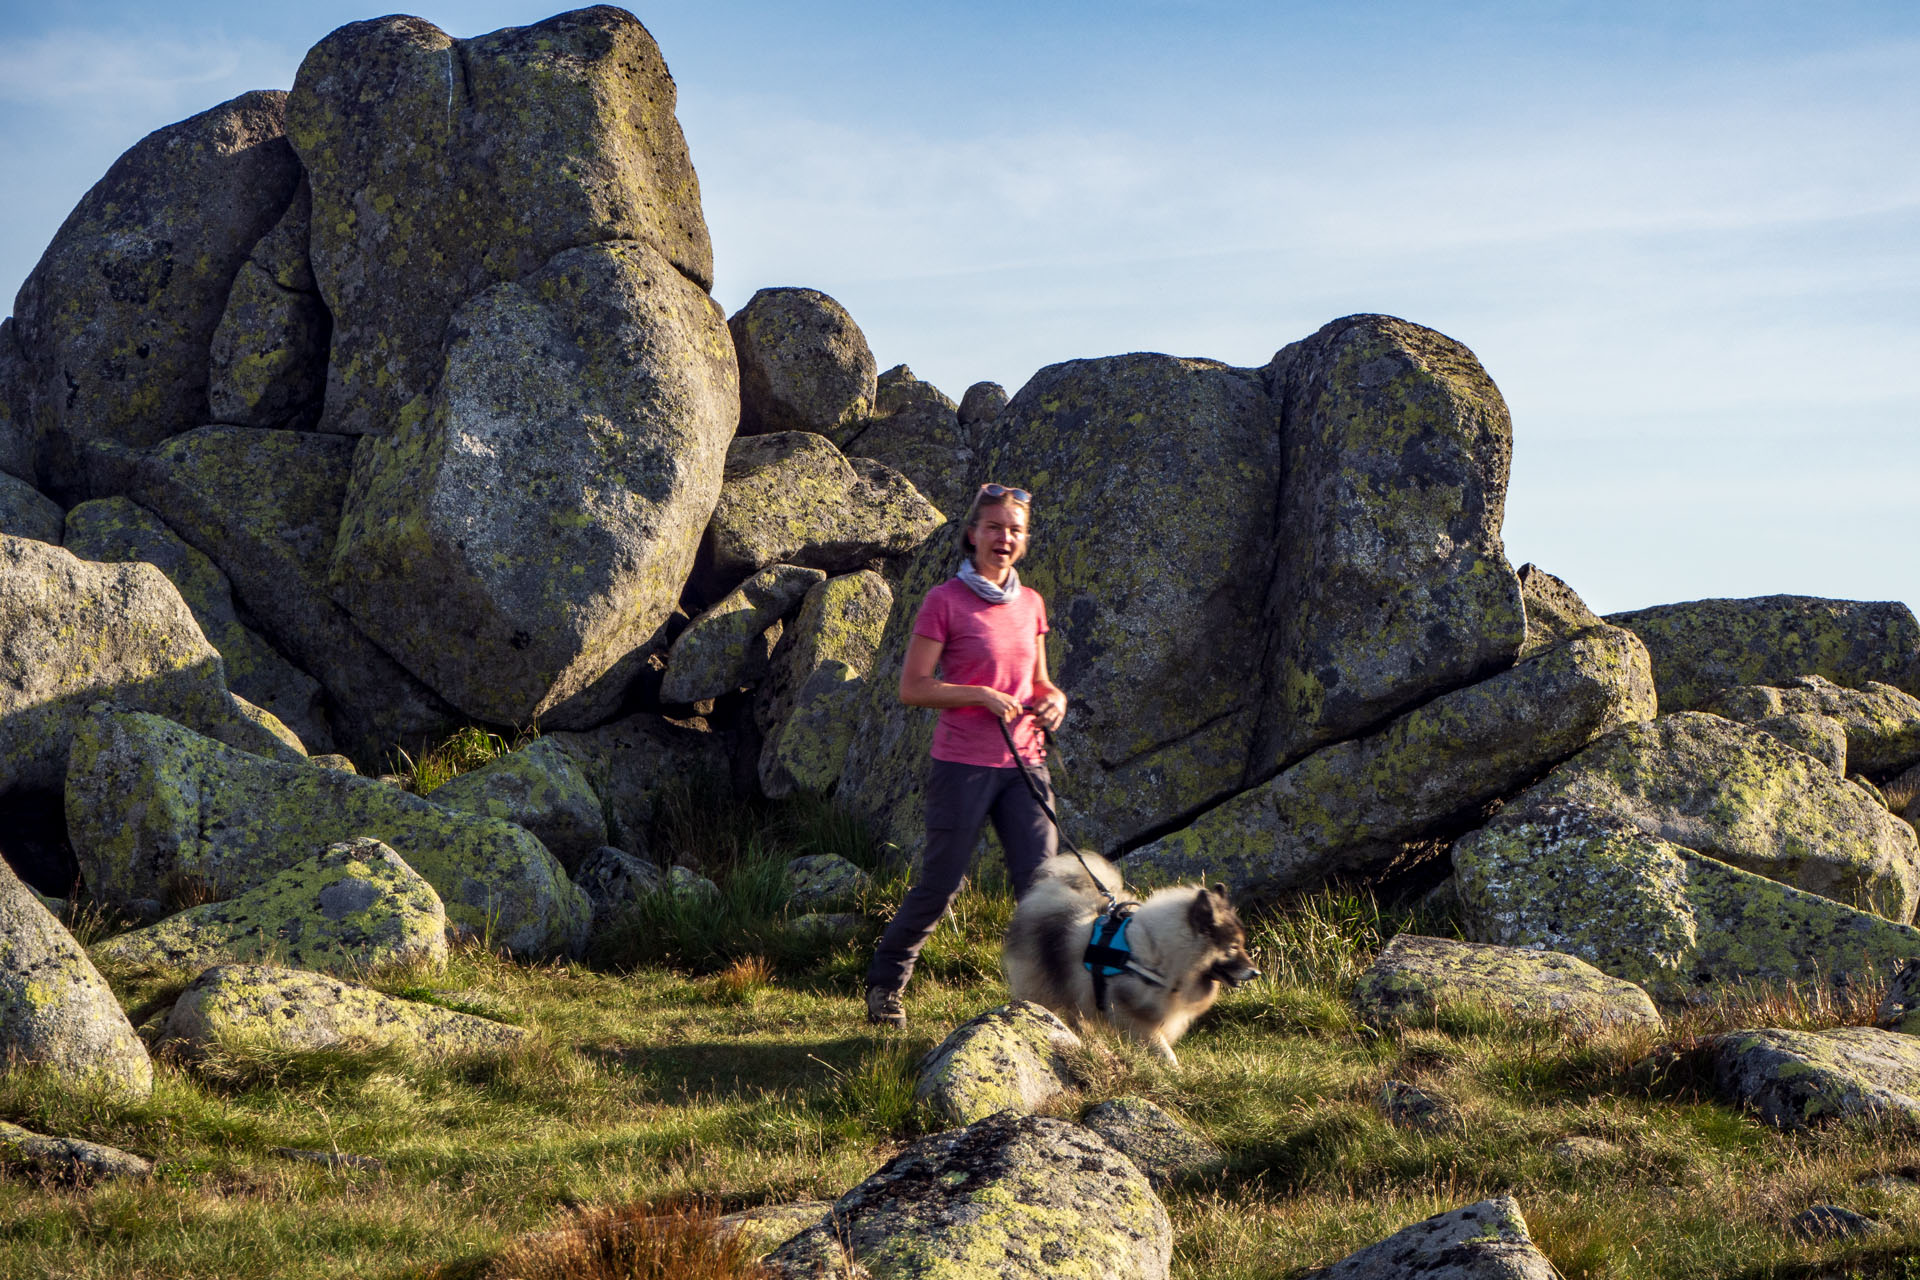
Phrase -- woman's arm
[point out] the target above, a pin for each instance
(919, 687)
(1049, 703)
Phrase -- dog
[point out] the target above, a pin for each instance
(1182, 944)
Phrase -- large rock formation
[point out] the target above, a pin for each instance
(917, 431)
(804, 364)
(405, 134)
(25, 512)
(153, 809)
(808, 706)
(1348, 806)
(267, 361)
(1703, 646)
(716, 654)
(546, 498)
(56, 1011)
(19, 443)
(1881, 723)
(115, 320)
(1392, 584)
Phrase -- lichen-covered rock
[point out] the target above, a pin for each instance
(1162, 1148)
(766, 1227)
(1011, 1197)
(1406, 1105)
(1739, 795)
(689, 885)
(271, 737)
(264, 1007)
(1795, 1078)
(67, 1159)
(1009, 1056)
(1822, 737)
(714, 655)
(1882, 723)
(1414, 980)
(1900, 1007)
(982, 402)
(73, 633)
(1394, 585)
(56, 1011)
(545, 499)
(355, 907)
(1156, 639)
(267, 361)
(264, 506)
(19, 443)
(1484, 1241)
(1595, 885)
(1356, 803)
(841, 620)
(614, 879)
(539, 787)
(804, 364)
(402, 129)
(115, 319)
(118, 531)
(808, 750)
(1555, 611)
(917, 431)
(792, 498)
(633, 762)
(25, 512)
(1704, 646)
(151, 805)
(825, 925)
(820, 878)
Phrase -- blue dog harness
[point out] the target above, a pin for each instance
(1109, 955)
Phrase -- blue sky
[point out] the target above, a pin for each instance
(1683, 238)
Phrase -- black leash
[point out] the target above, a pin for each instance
(1040, 799)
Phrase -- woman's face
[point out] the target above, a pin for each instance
(999, 533)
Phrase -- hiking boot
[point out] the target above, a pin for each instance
(884, 1008)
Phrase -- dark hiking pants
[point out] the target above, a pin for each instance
(960, 799)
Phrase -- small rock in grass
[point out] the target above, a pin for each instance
(1160, 1145)
(1578, 1149)
(613, 878)
(1008, 1057)
(826, 924)
(1408, 1106)
(1831, 1222)
(820, 878)
(1795, 1078)
(691, 886)
(67, 1159)
(1415, 978)
(1484, 1241)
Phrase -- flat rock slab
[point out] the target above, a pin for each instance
(1008, 1057)
(1484, 1241)
(1010, 1197)
(150, 803)
(356, 907)
(1795, 1078)
(1414, 979)
(67, 1159)
(1163, 1148)
(257, 1006)
(56, 1011)
(767, 1227)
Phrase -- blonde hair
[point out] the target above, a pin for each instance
(980, 499)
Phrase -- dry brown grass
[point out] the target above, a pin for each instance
(633, 1242)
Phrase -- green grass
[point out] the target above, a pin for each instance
(703, 1057)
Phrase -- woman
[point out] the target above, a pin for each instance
(981, 630)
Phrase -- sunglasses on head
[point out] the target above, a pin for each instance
(1001, 491)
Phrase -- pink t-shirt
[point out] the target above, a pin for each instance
(991, 645)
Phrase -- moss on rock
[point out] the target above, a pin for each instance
(1555, 611)
(539, 787)
(1415, 980)
(716, 653)
(356, 907)
(151, 806)
(1881, 723)
(1478, 1242)
(1009, 1056)
(267, 362)
(67, 1159)
(1796, 1078)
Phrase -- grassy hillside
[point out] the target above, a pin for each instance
(704, 1056)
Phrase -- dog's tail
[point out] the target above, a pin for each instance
(1070, 871)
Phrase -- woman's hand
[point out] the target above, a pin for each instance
(1049, 707)
(997, 702)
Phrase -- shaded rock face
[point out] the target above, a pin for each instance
(792, 498)
(1011, 1196)
(353, 908)
(547, 497)
(807, 707)
(1010, 1056)
(1737, 794)
(613, 879)
(1393, 584)
(1555, 611)
(1484, 1241)
(260, 1006)
(1355, 804)
(151, 806)
(632, 763)
(804, 364)
(115, 320)
(265, 506)
(1795, 1078)
(119, 531)
(1882, 723)
(716, 653)
(1415, 979)
(982, 402)
(267, 361)
(67, 1159)
(1703, 646)
(19, 445)
(25, 512)
(1900, 1008)
(917, 431)
(56, 1011)
(821, 878)
(1157, 1143)
(407, 133)
(541, 788)
(1595, 885)
(73, 633)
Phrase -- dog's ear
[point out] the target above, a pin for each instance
(1200, 914)
(1220, 889)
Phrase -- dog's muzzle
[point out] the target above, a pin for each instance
(1237, 975)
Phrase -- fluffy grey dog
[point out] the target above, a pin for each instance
(1185, 942)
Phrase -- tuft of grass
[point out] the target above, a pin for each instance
(464, 750)
(633, 1242)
